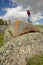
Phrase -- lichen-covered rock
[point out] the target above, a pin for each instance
(8, 34)
(19, 28)
(18, 49)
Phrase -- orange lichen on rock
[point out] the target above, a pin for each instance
(28, 29)
(21, 28)
(16, 26)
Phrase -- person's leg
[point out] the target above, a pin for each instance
(29, 19)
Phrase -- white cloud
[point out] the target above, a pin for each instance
(19, 13)
(36, 17)
(36, 23)
(36, 5)
(15, 13)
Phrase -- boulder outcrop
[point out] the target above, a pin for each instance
(17, 50)
(19, 28)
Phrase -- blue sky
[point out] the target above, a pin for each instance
(15, 9)
(5, 4)
(40, 21)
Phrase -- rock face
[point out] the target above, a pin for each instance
(18, 49)
(19, 28)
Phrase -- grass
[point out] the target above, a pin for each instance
(36, 60)
(40, 27)
(1, 39)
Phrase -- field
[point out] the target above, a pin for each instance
(1, 39)
(40, 27)
(2, 29)
(35, 60)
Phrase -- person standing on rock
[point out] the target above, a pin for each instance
(29, 16)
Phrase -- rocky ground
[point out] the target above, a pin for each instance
(17, 50)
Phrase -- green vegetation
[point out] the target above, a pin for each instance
(1, 22)
(4, 22)
(1, 39)
(36, 60)
(40, 27)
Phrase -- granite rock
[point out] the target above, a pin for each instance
(17, 50)
(19, 28)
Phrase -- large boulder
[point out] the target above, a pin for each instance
(19, 28)
(17, 50)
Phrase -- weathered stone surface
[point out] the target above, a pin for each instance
(16, 50)
(19, 28)
(29, 29)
